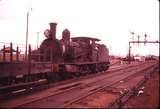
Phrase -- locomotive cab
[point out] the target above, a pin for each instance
(87, 49)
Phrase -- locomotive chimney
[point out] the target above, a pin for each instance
(53, 30)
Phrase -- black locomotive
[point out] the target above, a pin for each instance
(58, 59)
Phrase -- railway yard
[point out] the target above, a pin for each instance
(134, 85)
(79, 54)
(76, 72)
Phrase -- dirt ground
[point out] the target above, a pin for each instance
(150, 97)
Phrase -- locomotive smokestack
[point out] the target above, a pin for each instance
(53, 30)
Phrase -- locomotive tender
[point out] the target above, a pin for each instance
(58, 59)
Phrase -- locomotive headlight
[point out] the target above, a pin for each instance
(47, 33)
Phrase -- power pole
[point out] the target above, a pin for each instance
(26, 36)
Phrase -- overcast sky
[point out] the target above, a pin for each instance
(109, 20)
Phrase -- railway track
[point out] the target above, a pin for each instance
(133, 88)
(81, 98)
(65, 95)
(16, 89)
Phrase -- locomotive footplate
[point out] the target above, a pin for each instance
(87, 67)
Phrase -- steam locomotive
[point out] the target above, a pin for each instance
(58, 59)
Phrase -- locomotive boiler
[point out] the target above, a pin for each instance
(58, 59)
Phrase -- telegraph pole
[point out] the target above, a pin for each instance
(27, 23)
(26, 36)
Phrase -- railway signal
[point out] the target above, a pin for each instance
(145, 38)
(138, 38)
(132, 36)
(138, 42)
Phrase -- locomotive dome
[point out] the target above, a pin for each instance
(66, 34)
